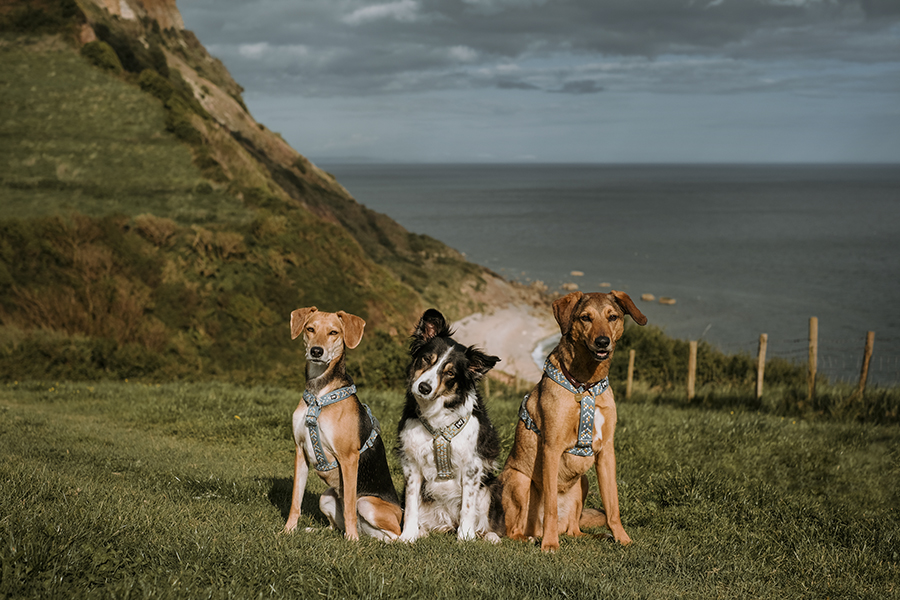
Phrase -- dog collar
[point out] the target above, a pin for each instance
(315, 405)
(442, 438)
(563, 378)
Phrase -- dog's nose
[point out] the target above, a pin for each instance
(602, 341)
(316, 352)
(424, 388)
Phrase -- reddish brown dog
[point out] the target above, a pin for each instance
(337, 435)
(545, 486)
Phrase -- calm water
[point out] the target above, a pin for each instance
(743, 249)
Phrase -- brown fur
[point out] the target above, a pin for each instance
(544, 487)
(338, 422)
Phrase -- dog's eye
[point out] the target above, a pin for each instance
(585, 318)
(333, 332)
(449, 374)
(310, 330)
(613, 318)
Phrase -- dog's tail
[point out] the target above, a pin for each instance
(591, 517)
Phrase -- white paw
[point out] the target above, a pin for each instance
(465, 535)
(492, 537)
(409, 538)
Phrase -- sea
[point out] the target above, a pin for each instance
(741, 249)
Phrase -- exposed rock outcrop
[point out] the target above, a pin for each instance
(163, 12)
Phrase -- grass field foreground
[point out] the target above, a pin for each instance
(132, 490)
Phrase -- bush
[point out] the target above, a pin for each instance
(158, 61)
(100, 54)
(178, 121)
(156, 85)
(50, 17)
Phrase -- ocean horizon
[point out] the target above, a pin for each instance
(742, 249)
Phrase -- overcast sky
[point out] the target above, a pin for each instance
(566, 80)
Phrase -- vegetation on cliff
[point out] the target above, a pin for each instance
(150, 227)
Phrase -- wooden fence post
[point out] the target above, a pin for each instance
(813, 356)
(692, 370)
(867, 356)
(630, 374)
(761, 363)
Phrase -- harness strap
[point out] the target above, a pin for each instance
(588, 403)
(316, 404)
(442, 438)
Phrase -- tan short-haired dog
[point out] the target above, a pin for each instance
(337, 435)
(567, 424)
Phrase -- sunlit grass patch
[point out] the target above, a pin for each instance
(182, 489)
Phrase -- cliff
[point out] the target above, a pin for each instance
(151, 227)
(163, 12)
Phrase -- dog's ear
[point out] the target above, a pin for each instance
(432, 324)
(353, 328)
(627, 304)
(563, 308)
(479, 362)
(298, 320)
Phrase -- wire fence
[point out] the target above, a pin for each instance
(838, 359)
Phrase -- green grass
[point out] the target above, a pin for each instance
(75, 137)
(181, 490)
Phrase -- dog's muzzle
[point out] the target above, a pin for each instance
(601, 348)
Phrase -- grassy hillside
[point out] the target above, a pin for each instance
(181, 490)
(149, 227)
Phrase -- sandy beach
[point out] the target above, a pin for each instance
(511, 332)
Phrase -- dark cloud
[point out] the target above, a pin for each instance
(515, 85)
(324, 47)
(584, 86)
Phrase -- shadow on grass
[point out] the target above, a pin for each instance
(280, 490)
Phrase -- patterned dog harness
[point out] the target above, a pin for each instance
(584, 445)
(442, 439)
(312, 423)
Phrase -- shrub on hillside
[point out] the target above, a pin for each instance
(158, 60)
(155, 84)
(158, 230)
(101, 54)
(45, 17)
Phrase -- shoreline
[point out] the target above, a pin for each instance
(514, 332)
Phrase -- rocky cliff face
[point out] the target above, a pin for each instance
(163, 12)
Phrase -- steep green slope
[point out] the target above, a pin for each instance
(149, 227)
(76, 138)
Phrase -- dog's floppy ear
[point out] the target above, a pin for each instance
(627, 304)
(432, 324)
(479, 362)
(563, 308)
(298, 320)
(353, 328)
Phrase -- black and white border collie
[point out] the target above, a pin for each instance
(442, 392)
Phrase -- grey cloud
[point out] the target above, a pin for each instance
(396, 46)
(583, 86)
(506, 84)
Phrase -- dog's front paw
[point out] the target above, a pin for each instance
(623, 539)
(492, 537)
(409, 536)
(465, 535)
(549, 546)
